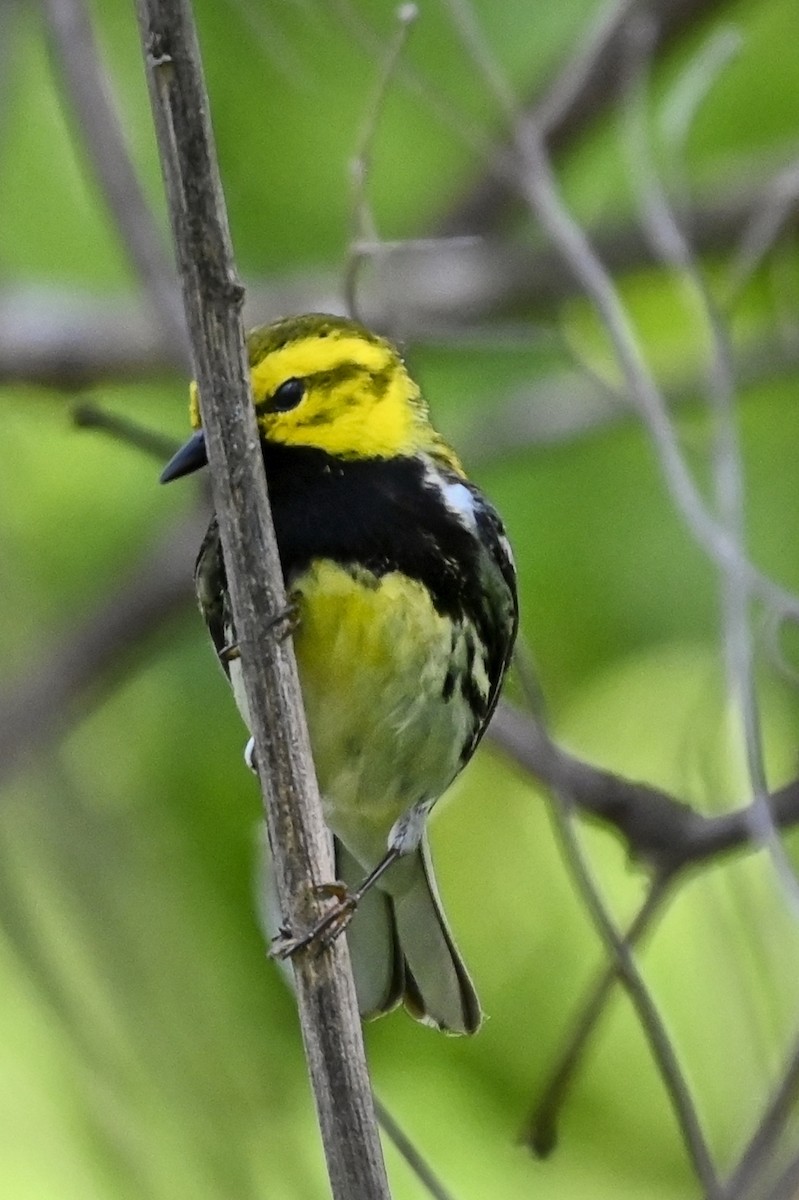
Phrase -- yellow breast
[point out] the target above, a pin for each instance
(387, 730)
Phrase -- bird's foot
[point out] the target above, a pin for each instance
(286, 622)
(329, 926)
(229, 653)
(283, 624)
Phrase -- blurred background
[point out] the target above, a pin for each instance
(147, 1047)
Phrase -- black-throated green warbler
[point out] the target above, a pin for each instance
(405, 597)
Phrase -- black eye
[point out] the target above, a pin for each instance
(287, 396)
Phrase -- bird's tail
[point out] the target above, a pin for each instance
(401, 947)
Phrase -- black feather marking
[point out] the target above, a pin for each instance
(382, 515)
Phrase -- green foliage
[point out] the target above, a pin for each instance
(148, 1048)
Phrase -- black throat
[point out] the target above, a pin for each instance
(380, 514)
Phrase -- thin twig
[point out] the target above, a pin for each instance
(405, 1147)
(581, 92)
(300, 844)
(675, 251)
(364, 226)
(539, 189)
(766, 224)
(619, 950)
(642, 388)
(130, 433)
(660, 831)
(88, 89)
(770, 1127)
(562, 810)
(645, 1007)
(417, 84)
(541, 1129)
(94, 652)
(689, 92)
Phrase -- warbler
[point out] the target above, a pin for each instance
(404, 589)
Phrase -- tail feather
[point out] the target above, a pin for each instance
(401, 948)
(377, 963)
(399, 941)
(438, 990)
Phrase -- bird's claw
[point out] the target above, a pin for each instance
(329, 926)
(282, 624)
(286, 622)
(229, 653)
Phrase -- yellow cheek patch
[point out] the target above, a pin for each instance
(194, 405)
(348, 421)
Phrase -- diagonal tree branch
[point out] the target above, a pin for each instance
(60, 339)
(41, 705)
(541, 1128)
(580, 93)
(660, 1044)
(661, 832)
(299, 842)
(88, 90)
(773, 1120)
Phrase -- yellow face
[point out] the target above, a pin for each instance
(329, 383)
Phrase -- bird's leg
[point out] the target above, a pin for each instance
(283, 624)
(337, 918)
(287, 621)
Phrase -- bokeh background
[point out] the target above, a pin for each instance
(148, 1050)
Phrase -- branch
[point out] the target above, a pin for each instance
(541, 1129)
(661, 832)
(537, 185)
(580, 93)
(772, 1123)
(728, 473)
(87, 86)
(65, 339)
(364, 226)
(646, 1009)
(299, 841)
(48, 698)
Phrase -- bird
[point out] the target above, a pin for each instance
(404, 594)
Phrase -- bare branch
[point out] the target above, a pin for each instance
(676, 252)
(770, 1127)
(365, 240)
(44, 702)
(767, 222)
(645, 1007)
(405, 1147)
(620, 951)
(537, 185)
(122, 429)
(541, 1129)
(438, 105)
(300, 845)
(579, 95)
(88, 89)
(660, 831)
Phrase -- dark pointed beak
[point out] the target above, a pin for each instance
(189, 458)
